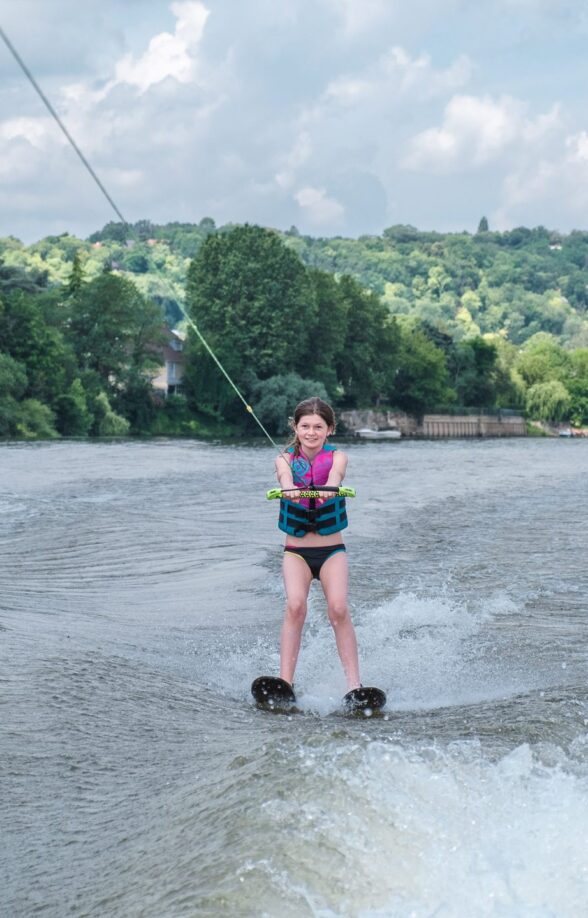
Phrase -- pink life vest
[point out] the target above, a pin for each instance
(307, 474)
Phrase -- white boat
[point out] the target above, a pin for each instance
(388, 433)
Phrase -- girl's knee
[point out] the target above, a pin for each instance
(338, 613)
(296, 610)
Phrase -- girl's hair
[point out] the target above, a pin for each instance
(313, 405)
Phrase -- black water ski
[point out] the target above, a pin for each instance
(271, 692)
(365, 699)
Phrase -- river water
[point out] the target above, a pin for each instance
(140, 594)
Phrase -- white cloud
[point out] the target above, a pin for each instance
(577, 144)
(475, 131)
(524, 185)
(36, 131)
(319, 208)
(123, 178)
(338, 115)
(556, 182)
(294, 160)
(359, 16)
(365, 110)
(396, 75)
(167, 55)
(347, 142)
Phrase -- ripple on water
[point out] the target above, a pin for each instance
(138, 778)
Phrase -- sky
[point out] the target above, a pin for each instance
(340, 117)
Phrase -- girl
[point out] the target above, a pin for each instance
(309, 463)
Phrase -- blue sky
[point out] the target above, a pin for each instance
(341, 117)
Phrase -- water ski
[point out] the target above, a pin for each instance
(271, 692)
(366, 699)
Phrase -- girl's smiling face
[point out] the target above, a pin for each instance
(312, 431)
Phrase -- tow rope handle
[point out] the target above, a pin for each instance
(278, 493)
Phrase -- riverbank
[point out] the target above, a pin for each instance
(442, 425)
(485, 424)
(545, 429)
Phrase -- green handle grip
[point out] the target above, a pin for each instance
(277, 493)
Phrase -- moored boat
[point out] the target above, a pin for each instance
(387, 433)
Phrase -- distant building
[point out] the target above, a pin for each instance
(168, 380)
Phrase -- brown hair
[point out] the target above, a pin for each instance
(312, 405)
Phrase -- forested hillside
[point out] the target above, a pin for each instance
(408, 319)
(514, 283)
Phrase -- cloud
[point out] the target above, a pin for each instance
(338, 115)
(577, 145)
(554, 182)
(351, 134)
(294, 160)
(318, 208)
(34, 130)
(476, 131)
(356, 17)
(394, 76)
(167, 55)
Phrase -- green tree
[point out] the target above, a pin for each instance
(111, 231)
(136, 261)
(108, 422)
(577, 385)
(207, 225)
(253, 301)
(438, 280)
(330, 328)
(135, 402)
(13, 384)
(576, 290)
(17, 277)
(76, 278)
(401, 233)
(73, 417)
(35, 421)
(114, 330)
(366, 362)
(275, 398)
(422, 379)
(483, 226)
(542, 359)
(548, 401)
(510, 387)
(473, 372)
(28, 338)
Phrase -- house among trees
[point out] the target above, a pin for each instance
(168, 381)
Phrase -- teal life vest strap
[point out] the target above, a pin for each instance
(324, 520)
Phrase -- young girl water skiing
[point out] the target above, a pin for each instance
(309, 462)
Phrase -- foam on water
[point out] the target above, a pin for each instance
(374, 829)
(425, 652)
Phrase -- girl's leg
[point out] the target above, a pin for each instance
(297, 580)
(334, 580)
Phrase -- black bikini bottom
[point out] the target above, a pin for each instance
(315, 557)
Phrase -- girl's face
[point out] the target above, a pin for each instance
(312, 431)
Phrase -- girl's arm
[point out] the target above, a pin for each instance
(284, 473)
(338, 469)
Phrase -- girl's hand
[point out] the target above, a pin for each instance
(291, 494)
(325, 495)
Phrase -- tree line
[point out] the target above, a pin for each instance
(283, 329)
(514, 284)
(81, 324)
